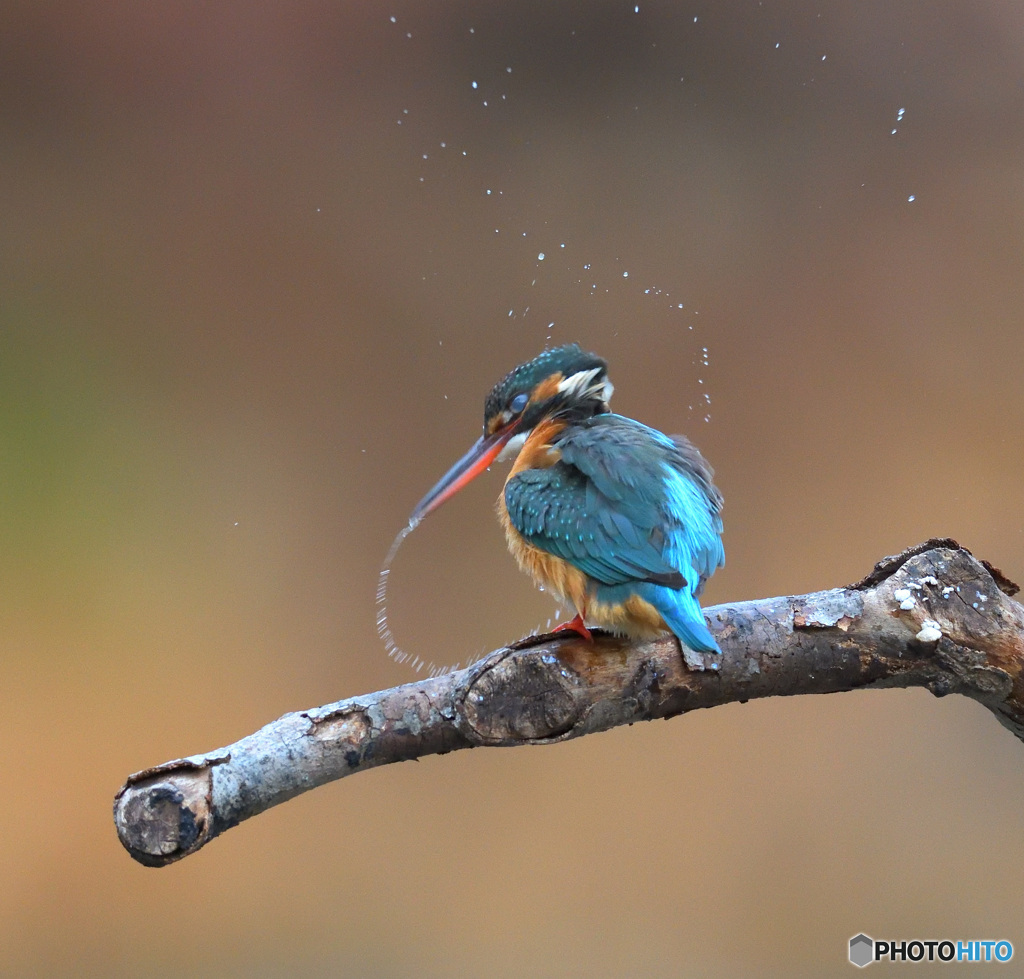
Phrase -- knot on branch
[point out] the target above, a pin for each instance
(519, 698)
(555, 687)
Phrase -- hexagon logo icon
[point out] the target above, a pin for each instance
(862, 950)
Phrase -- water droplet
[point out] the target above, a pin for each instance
(540, 256)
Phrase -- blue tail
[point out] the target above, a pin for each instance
(682, 614)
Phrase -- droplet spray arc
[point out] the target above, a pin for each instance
(392, 648)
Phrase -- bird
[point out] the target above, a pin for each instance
(618, 520)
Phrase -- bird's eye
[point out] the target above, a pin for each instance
(518, 403)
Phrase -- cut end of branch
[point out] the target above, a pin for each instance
(163, 814)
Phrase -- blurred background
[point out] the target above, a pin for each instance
(259, 266)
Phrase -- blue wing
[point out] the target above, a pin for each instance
(626, 505)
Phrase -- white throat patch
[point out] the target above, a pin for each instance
(513, 445)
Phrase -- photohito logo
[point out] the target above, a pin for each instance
(864, 950)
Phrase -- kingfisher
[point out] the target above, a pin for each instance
(616, 519)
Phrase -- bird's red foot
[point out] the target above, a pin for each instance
(577, 626)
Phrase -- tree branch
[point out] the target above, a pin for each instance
(933, 616)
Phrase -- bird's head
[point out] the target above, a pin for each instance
(563, 382)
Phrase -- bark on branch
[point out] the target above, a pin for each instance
(933, 616)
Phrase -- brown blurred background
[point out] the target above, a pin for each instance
(259, 265)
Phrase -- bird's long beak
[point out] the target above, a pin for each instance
(484, 451)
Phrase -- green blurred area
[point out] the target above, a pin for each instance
(66, 434)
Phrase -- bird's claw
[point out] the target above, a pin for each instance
(576, 625)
